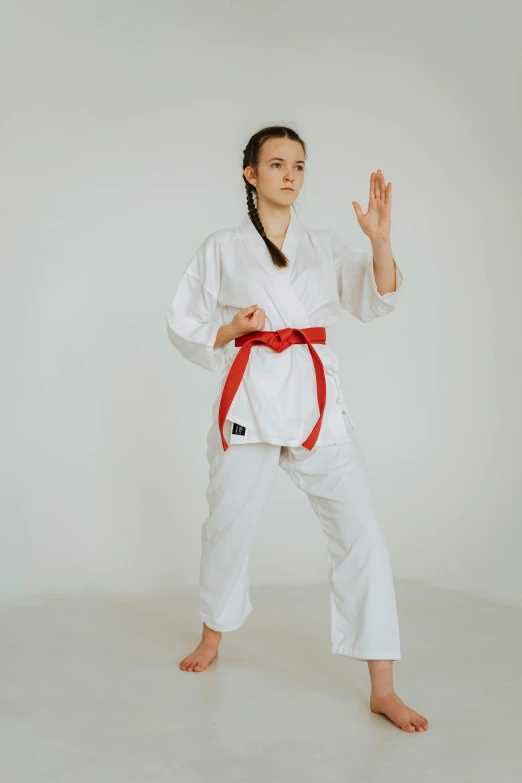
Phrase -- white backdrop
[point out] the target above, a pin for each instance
(122, 132)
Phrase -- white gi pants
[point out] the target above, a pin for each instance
(364, 623)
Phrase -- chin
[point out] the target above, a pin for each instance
(286, 196)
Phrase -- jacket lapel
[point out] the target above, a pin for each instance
(255, 242)
(290, 307)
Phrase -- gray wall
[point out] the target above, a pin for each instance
(122, 132)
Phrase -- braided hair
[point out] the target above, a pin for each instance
(251, 158)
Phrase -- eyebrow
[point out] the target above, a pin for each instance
(297, 161)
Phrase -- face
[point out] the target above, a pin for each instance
(281, 165)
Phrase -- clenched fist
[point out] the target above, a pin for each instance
(251, 319)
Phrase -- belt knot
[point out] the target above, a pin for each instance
(280, 339)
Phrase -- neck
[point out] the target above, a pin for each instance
(275, 219)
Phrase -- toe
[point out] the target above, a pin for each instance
(408, 727)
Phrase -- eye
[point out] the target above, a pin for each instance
(299, 166)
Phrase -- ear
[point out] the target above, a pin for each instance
(250, 175)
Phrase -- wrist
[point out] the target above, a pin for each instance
(224, 334)
(231, 332)
(380, 241)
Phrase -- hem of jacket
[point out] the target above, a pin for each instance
(337, 436)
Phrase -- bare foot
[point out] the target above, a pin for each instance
(205, 652)
(397, 711)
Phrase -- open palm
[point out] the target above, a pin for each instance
(376, 223)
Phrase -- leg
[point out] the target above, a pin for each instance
(240, 480)
(364, 623)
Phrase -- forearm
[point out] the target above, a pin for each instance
(224, 335)
(383, 266)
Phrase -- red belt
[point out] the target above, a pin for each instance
(278, 341)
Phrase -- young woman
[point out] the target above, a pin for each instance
(253, 304)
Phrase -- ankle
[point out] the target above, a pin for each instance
(381, 693)
(210, 634)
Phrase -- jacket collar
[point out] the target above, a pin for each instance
(253, 239)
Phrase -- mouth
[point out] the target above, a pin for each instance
(286, 188)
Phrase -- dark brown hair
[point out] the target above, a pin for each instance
(251, 158)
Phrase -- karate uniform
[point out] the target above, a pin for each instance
(274, 411)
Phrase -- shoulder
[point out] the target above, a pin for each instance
(212, 243)
(317, 234)
(219, 238)
(322, 239)
(211, 248)
(340, 247)
(326, 234)
(205, 263)
(316, 231)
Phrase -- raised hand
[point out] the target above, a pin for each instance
(376, 223)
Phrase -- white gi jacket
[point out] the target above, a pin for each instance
(232, 269)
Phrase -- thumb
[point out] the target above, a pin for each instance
(250, 309)
(358, 210)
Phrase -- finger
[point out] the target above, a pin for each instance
(358, 210)
(389, 195)
(377, 183)
(382, 184)
(372, 186)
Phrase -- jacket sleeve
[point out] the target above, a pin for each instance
(195, 315)
(356, 283)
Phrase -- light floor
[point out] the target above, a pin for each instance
(91, 693)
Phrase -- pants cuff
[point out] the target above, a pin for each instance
(362, 655)
(232, 625)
